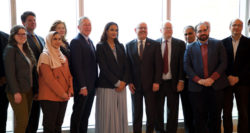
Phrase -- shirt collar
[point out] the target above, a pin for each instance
(86, 38)
(202, 43)
(236, 40)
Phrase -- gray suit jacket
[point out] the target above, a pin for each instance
(17, 70)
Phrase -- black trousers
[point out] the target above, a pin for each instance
(4, 103)
(34, 117)
(137, 110)
(53, 115)
(207, 106)
(187, 109)
(81, 112)
(167, 90)
(242, 100)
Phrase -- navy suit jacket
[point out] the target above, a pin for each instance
(33, 46)
(177, 53)
(111, 69)
(145, 72)
(217, 62)
(240, 66)
(83, 63)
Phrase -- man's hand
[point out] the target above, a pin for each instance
(132, 88)
(156, 87)
(83, 92)
(180, 86)
(233, 80)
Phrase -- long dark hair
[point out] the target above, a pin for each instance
(104, 37)
(12, 41)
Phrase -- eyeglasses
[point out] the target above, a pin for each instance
(142, 28)
(237, 25)
(21, 34)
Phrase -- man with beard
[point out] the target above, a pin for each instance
(205, 63)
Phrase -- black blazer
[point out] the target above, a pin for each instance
(33, 46)
(3, 42)
(145, 72)
(17, 70)
(176, 64)
(66, 50)
(111, 70)
(217, 62)
(83, 64)
(241, 65)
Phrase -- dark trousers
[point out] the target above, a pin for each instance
(81, 112)
(242, 98)
(53, 115)
(167, 90)
(137, 110)
(207, 106)
(34, 117)
(4, 103)
(187, 109)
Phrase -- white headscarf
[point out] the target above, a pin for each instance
(51, 56)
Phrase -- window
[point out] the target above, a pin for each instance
(5, 23)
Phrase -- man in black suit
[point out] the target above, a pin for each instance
(205, 63)
(145, 63)
(189, 35)
(172, 78)
(4, 102)
(84, 71)
(36, 44)
(238, 74)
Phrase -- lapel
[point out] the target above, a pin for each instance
(32, 43)
(22, 55)
(198, 55)
(146, 48)
(134, 50)
(173, 50)
(110, 52)
(240, 46)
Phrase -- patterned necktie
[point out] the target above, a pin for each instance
(141, 49)
(36, 42)
(165, 58)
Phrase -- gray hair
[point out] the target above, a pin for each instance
(81, 19)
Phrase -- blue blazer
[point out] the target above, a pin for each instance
(145, 72)
(217, 62)
(111, 69)
(83, 63)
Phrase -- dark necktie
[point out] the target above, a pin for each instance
(204, 51)
(36, 42)
(141, 49)
(165, 58)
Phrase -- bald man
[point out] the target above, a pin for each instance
(238, 74)
(172, 79)
(145, 62)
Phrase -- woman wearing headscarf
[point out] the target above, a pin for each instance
(55, 83)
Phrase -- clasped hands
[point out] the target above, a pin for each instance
(206, 82)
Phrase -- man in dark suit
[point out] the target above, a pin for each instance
(205, 63)
(84, 71)
(172, 79)
(189, 35)
(36, 44)
(145, 63)
(238, 74)
(4, 102)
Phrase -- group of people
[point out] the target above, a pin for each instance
(207, 73)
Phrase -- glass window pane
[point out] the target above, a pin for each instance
(191, 12)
